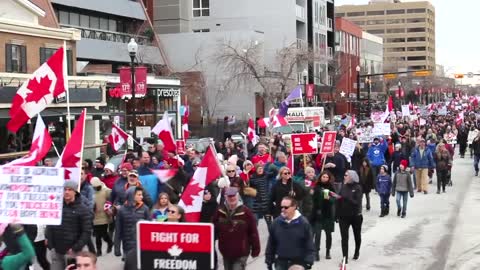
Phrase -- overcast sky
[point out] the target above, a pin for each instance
(458, 40)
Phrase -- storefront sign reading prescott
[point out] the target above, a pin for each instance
(186, 246)
(31, 195)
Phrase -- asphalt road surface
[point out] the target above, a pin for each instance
(441, 231)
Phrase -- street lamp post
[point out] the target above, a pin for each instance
(132, 50)
(400, 97)
(305, 74)
(358, 83)
(369, 81)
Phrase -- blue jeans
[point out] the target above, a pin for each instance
(384, 200)
(476, 159)
(404, 196)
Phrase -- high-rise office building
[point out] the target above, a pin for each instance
(407, 29)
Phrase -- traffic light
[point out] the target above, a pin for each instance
(458, 76)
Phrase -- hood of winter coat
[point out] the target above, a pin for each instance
(130, 201)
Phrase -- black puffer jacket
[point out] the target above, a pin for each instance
(351, 202)
(260, 203)
(279, 190)
(126, 222)
(75, 230)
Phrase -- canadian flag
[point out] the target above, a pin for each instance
(459, 119)
(41, 144)
(279, 121)
(252, 137)
(71, 158)
(164, 133)
(47, 82)
(117, 138)
(352, 122)
(186, 132)
(264, 122)
(192, 197)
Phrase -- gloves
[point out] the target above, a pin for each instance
(269, 267)
(393, 194)
(308, 266)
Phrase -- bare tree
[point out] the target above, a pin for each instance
(246, 64)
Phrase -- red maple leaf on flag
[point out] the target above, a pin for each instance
(39, 89)
(190, 192)
(67, 174)
(115, 138)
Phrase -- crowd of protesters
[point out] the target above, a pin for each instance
(298, 197)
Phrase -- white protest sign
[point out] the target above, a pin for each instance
(423, 122)
(364, 135)
(348, 147)
(405, 110)
(31, 195)
(380, 129)
(378, 117)
(442, 110)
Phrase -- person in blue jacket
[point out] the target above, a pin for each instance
(376, 154)
(384, 185)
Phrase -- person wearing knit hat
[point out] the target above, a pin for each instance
(99, 167)
(397, 156)
(75, 229)
(384, 186)
(402, 186)
(109, 175)
(118, 191)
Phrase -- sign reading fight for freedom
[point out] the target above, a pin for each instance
(304, 143)
(174, 245)
(31, 195)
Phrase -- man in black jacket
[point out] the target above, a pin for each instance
(76, 228)
(291, 240)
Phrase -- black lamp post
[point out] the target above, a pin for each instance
(358, 83)
(367, 80)
(400, 96)
(132, 50)
(305, 74)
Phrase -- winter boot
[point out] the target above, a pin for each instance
(387, 210)
(404, 214)
(317, 256)
(327, 256)
(382, 212)
(356, 255)
(399, 211)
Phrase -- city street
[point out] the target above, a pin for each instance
(439, 232)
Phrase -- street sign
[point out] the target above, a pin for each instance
(390, 76)
(470, 75)
(423, 73)
(304, 143)
(328, 142)
(164, 245)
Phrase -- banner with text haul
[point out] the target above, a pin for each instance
(31, 195)
(175, 245)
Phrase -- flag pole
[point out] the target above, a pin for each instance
(65, 72)
(55, 148)
(83, 144)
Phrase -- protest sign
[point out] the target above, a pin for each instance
(328, 142)
(405, 110)
(365, 135)
(380, 129)
(348, 147)
(174, 245)
(304, 143)
(379, 117)
(422, 122)
(442, 110)
(31, 195)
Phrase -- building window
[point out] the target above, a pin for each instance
(373, 22)
(376, 12)
(395, 21)
(416, 39)
(339, 14)
(395, 40)
(416, 58)
(376, 31)
(201, 30)
(396, 49)
(416, 49)
(46, 53)
(395, 11)
(16, 58)
(416, 20)
(416, 30)
(416, 10)
(63, 17)
(84, 21)
(395, 30)
(359, 22)
(201, 8)
(356, 14)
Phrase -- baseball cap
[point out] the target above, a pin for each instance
(231, 191)
(133, 172)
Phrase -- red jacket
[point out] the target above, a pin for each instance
(246, 177)
(264, 159)
(109, 180)
(236, 232)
